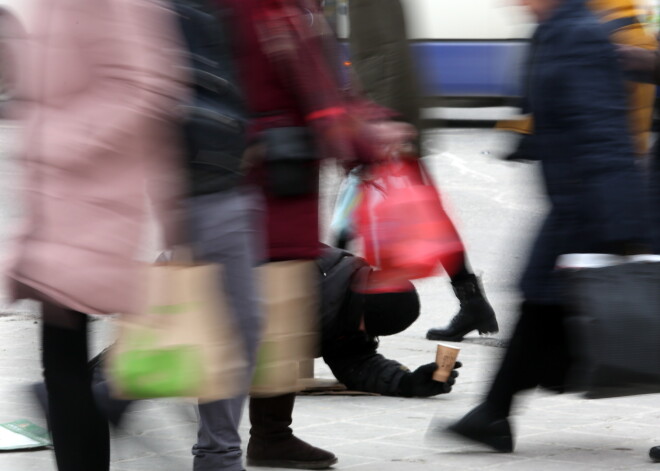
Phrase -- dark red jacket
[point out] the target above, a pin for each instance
(282, 88)
(284, 52)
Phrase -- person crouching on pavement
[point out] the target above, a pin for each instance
(583, 141)
(351, 323)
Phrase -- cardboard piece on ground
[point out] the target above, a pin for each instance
(328, 387)
(23, 435)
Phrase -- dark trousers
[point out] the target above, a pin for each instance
(538, 355)
(223, 232)
(79, 431)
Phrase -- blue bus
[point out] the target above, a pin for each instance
(467, 48)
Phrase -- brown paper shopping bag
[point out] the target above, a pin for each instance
(183, 343)
(290, 332)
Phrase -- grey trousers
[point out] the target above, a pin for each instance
(223, 228)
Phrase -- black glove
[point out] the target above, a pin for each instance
(420, 382)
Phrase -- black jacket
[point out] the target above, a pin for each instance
(350, 353)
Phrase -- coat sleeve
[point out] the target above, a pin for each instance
(363, 369)
(595, 109)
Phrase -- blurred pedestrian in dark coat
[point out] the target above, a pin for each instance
(583, 141)
(645, 65)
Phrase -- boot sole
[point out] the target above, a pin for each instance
(292, 464)
(483, 330)
(442, 337)
(457, 338)
(499, 443)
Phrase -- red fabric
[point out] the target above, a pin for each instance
(293, 228)
(406, 232)
(291, 225)
(287, 69)
(284, 50)
(282, 84)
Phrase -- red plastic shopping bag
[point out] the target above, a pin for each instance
(405, 231)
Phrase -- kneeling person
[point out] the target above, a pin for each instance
(352, 321)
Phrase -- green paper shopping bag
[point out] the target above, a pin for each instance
(183, 343)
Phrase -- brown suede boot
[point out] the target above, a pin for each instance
(272, 442)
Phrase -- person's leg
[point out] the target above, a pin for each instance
(475, 311)
(79, 432)
(520, 368)
(112, 408)
(272, 442)
(537, 355)
(222, 228)
(218, 444)
(292, 228)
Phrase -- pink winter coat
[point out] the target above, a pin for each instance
(98, 93)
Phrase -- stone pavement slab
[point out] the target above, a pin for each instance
(554, 432)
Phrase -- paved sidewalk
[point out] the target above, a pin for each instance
(496, 203)
(367, 433)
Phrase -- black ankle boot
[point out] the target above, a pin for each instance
(272, 442)
(654, 454)
(482, 426)
(475, 313)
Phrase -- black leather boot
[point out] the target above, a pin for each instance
(654, 454)
(272, 442)
(475, 313)
(482, 426)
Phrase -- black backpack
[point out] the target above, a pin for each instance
(215, 117)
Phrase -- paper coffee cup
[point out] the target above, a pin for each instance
(445, 357)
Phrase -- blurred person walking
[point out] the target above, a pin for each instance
(582, 138)
(381, 56)
(222, 207)
(97, 88)
(299, 116)
(645, 65)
